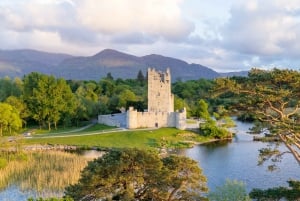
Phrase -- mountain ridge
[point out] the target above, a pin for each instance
(17, 63)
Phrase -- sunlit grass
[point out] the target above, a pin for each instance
(98, 127)
(144, 139)
(72, 131)
(49, 171)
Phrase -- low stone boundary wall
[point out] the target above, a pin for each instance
(118, 120)
(39, 147)
(48, 147)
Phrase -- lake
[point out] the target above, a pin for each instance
(220, 161)
(238, 160)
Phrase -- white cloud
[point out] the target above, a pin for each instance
(153, 17)
(261, 28)
(224, 35)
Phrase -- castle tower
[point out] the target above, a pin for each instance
(160, 98)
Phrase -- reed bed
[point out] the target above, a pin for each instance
(44, 172)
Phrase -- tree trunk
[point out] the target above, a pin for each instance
(49, 126)
(170, 198)
(293, 151)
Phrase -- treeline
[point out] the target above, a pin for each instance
(49, 101)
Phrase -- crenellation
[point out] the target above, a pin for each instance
(160, 112)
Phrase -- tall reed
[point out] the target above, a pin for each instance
(44, 172)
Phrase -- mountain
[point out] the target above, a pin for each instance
(20, 62)
(120, 65)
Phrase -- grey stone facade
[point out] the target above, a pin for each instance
(160, 111)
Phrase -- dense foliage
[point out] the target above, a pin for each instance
(273, 96)
(290, 193)
(209, 126)
(133, 174)
(49, 101)
(9, 118)
(232, 190)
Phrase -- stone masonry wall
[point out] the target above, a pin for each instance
(118, 120)
(160, 107)
(160, 98)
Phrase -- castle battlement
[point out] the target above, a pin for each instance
(160, 98)
(160, 111)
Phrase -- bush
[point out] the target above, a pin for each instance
(210, 128)
(232, 190)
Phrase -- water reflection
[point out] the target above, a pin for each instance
(220, 161)
(238, 160)
(92, 154)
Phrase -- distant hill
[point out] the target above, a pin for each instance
(20, 62)
(237, 73)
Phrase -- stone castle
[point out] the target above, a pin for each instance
(160, 111)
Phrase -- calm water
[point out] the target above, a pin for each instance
(221, 161)
(238, 160)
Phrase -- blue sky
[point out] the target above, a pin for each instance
(225, 35)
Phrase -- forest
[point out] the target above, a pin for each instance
(270, 98)
(49, 102)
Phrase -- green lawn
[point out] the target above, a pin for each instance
(168, 137)
(71, 131)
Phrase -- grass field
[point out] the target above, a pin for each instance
(163, 137)
(72, 131)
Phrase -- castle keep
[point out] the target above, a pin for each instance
(160, 111)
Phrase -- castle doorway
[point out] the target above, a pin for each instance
(156, 125)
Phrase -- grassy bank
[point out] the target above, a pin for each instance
(163, 137)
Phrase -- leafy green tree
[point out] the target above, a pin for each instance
(108, 87)
(20, 106)
(133, 174)
(210, 127)
(9, 87)
(274, 97)
(61, 101)
(109, 76)
(88, 97)
(89, 90)
(192, 91)
(178, 103)
(182, 179)
(81, 111)
(141, 78)
(126, 96)
(47, 98)
(103, 105)
(35, 105)
(9, 118)
(202, 110)
(230, 191)
(290, 193)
